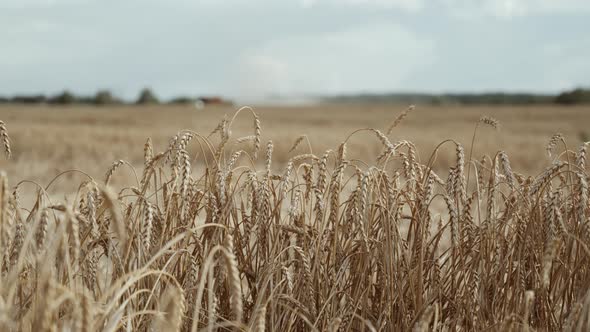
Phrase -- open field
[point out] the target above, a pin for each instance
(48, 140)
(345, 233)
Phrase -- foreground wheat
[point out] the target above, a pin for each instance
(328, 244)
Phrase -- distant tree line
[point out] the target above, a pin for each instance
(577, 96)
(147, 97)
(105, 97)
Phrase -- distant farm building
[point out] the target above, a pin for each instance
(215, 100)
(201, 102)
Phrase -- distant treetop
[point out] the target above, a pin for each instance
(64, 98)
(105, 97)
(577, 96)
(146, 96)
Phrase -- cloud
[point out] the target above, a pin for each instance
(497, 8)
(26, 4)
(410, 5)
(568, 66)
(513, 8)
(375, 57)
(259, 74)
(405, 5)
(261, 47)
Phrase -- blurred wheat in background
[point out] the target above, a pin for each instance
(212, 233)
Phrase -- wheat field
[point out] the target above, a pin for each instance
(325, 218)
(48, 140)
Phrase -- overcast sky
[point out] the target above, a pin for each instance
(254, 48)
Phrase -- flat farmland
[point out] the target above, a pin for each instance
(313, 235)
(47, 140)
